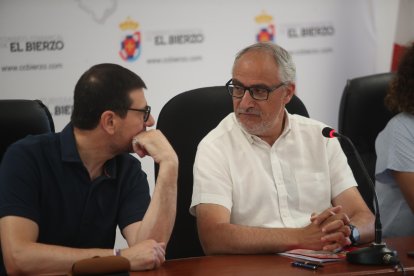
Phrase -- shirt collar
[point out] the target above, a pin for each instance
(288, 125)
(68, 145)
(70, 152)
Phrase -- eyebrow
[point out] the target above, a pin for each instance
(259, 85)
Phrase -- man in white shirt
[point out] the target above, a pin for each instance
(267, 181)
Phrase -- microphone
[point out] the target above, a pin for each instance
(377, 253)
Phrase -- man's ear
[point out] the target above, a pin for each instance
(290, 90)
(108, 121)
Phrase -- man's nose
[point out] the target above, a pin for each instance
(150, 122)
(247, 99)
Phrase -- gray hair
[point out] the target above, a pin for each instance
(287, 68)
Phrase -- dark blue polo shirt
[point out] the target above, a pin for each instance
(43, 179)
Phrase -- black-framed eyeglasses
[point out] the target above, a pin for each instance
(260, 93)
(146, 110)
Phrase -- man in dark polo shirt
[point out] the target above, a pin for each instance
(62, 195)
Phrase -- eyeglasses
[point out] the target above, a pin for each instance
(147, 111)
(259, 93)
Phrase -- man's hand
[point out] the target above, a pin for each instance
(334, 225)
(154, 144)
(145, 255)
(311, 238)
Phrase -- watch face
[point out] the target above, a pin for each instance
(354, 237)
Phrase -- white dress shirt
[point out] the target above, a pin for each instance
(270, 186)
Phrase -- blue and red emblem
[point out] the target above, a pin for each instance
(266, 34)
(131, 47)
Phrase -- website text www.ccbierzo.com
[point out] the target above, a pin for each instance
(31, 67)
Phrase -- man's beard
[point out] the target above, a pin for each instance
(257, 129)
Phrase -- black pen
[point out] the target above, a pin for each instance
(306, 265)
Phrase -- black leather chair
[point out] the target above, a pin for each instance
(18, 118)
(185, 120)
(362, 115)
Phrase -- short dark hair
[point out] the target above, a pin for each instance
(103, 87)
(400, 97)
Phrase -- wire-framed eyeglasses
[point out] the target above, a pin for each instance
(260, 93)
(146, 110)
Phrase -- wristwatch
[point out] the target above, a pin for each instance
(354, 236)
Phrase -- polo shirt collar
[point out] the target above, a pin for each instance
(70, 152)
(68, 145)
(288, 124)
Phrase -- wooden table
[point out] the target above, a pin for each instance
(274, 265)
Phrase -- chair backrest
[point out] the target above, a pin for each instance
(185, 120)
(18, 118)
(362, 115)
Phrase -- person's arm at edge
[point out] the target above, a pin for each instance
(405, 181)
(23, 255)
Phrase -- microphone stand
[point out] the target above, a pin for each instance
(377, 253)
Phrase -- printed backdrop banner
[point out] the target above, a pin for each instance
(404, 34)
(175, 46)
